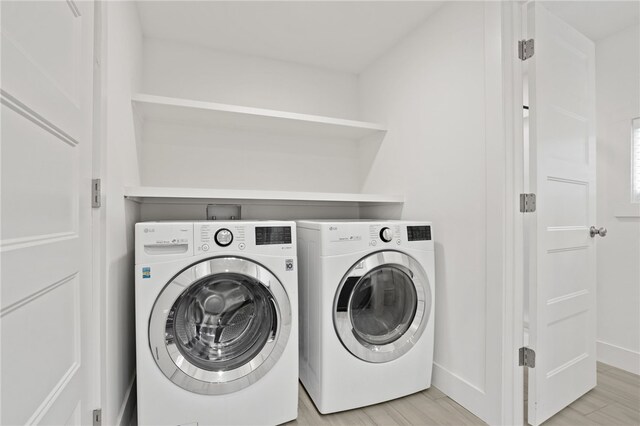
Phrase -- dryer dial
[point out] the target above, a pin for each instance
(223, 237)
(386, 235)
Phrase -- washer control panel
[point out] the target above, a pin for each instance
(274, 237)
(164, 241)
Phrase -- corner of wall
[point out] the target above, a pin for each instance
(128, 406)
(122, 74)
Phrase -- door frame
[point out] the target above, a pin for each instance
(505, 181)
(98, 218)
(512, 30)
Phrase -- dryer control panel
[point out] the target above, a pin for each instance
(349, 236)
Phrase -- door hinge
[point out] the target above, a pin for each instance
(526, 49)
(97, 417)
(527, 203)
(96, 193)
(527, 357)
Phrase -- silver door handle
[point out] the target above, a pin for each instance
(593, 231)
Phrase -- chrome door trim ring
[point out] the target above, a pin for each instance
(342, 320)
(192, 378)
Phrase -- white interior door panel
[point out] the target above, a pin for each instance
(45, 241)
(562, 279)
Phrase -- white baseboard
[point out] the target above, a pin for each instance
(619, 357)
(463, 392)
(128, 403)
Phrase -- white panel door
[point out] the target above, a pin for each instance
(562, 252)
(45, 239)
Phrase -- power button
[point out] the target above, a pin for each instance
(205, 247)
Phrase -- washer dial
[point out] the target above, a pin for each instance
(223, 237)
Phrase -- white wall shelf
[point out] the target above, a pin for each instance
(174, 110)
(144, 194)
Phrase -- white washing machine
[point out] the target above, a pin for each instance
(216, 323)
(366, 291)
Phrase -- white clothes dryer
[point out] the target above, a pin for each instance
(216, 323)
(366, 292)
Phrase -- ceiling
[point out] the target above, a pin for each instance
(596, 19)
(344, 35)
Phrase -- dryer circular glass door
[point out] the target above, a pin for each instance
(382, 306)
(219, 325)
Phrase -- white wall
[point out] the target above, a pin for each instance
(433, 92)
(618, 102)
(122, 70)
(185, 156)
(231, 158)
(192, 72)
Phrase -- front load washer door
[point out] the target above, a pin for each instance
(382, 306)
(219, 325)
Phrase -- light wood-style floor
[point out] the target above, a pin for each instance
(614, 401)
(429, 407)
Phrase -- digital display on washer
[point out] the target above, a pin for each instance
(273, 235)
(419, 233)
